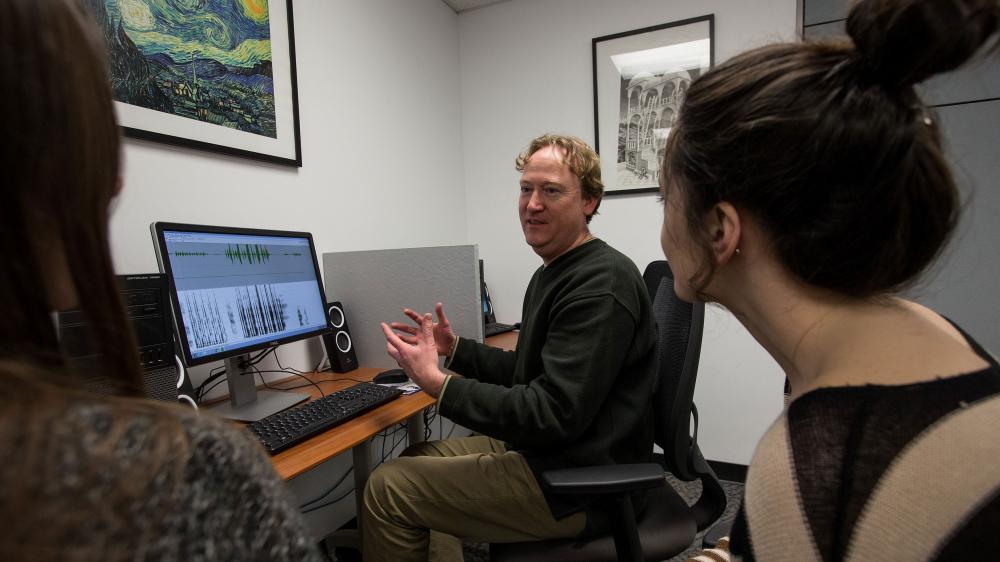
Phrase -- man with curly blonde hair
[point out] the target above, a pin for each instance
(575, 392)
(581, 160)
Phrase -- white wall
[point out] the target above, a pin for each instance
(525, 70)
(381, 148)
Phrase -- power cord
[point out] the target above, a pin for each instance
(309, 506)
(201, 391)
(308, 380)
(330, 490)
(217, 372)
(212, 375)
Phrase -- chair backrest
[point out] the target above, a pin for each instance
(679, 328)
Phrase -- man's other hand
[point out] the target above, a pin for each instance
(417, 354)
(444, 338)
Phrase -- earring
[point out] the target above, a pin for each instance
(737, 251)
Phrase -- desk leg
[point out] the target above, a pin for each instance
(415, 427)
(351, 538)
(362, 453)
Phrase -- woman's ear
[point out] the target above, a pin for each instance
(725, 228)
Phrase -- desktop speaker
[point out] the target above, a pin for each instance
(185, 390)
(339, 347)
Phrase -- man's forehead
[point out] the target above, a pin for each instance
(550, 160)
(549, 152)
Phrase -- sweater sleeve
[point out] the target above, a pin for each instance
(236, 504)
(587, 343)
(484, 363)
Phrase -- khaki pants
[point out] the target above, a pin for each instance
(469, 488)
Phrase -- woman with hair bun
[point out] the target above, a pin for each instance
(804, 187)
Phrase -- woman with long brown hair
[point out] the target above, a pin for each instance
(88, 477)
(805, 186)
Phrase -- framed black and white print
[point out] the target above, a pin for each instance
(640, 80)
(215, 75)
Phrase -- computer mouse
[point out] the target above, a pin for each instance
(392, 376)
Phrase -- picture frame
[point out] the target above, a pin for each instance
(216, 75)
(640, 79)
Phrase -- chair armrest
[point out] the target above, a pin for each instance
(608, 479)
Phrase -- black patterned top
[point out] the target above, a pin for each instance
(845, 441)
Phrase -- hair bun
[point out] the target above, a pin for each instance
(904, 42)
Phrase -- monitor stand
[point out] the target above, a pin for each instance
(248, 404)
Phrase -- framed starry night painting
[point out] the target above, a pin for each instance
(215, 75)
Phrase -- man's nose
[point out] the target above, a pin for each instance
(535, 201)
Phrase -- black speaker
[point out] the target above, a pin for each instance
(339, 347)
(185, 390)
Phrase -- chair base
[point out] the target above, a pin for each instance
(666, 528)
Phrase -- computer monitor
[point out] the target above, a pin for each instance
(238, 290)
(489, 317)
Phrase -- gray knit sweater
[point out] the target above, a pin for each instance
(93, 488)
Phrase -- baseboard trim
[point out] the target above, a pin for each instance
(729, 471)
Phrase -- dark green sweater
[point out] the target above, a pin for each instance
(578, 389)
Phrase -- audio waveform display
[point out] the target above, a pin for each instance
(187, 254)
(250, 252)
(235, 253)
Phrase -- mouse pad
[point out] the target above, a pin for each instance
(406, 387)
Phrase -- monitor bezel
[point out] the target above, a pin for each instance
(160, 243)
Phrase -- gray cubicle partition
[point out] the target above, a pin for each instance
(375, 285)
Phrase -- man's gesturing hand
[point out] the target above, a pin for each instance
(444, 338)
(417, 353)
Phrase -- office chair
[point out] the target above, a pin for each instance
(667, 526)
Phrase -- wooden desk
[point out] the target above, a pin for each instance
(316, 450)
(320, 448)
(507, 340)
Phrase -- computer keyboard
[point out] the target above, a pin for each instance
(282, 430)
(494, 328)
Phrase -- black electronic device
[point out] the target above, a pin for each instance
(392, 376)
(496, 328)
(148, 311)
(186, 393)
(338, 344)
(490, 325)
(234, 291)
(282, 430)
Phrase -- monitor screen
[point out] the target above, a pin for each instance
(488, 317)
(237, 290)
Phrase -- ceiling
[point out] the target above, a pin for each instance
(465, 5)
